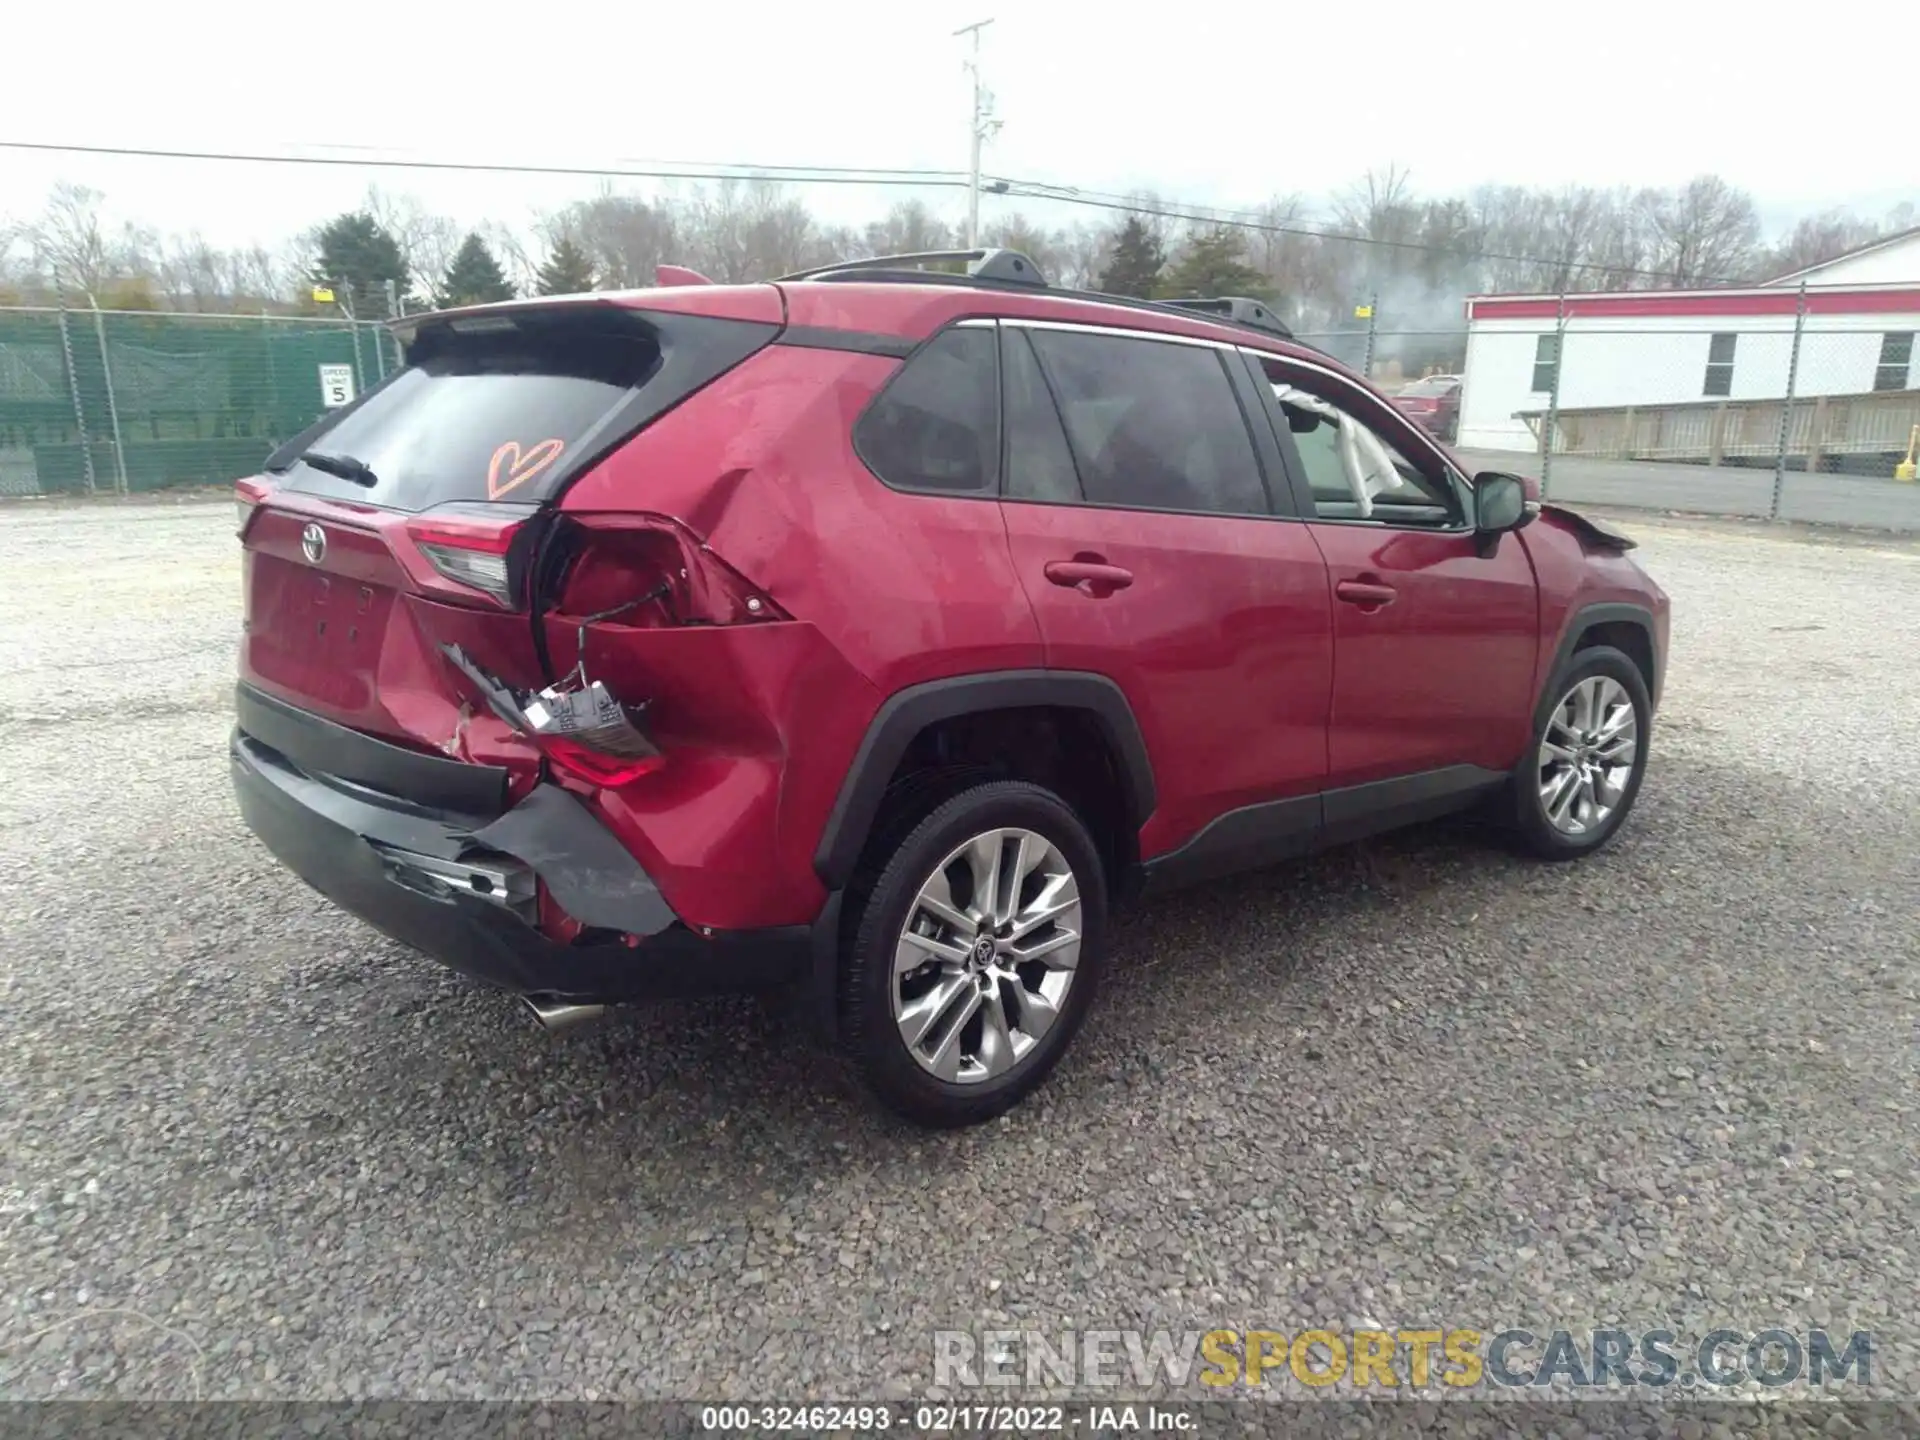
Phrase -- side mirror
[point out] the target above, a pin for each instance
(1500, 502)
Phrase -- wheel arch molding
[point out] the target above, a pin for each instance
(906, 713)
(1584, 620)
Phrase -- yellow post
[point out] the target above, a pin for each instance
(1907, 469)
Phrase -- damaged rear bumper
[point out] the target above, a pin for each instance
(459, 884)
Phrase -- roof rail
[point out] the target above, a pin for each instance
(1239, 309)
(1011, 270)
(1004, 267)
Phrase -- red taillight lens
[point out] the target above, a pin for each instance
(473, 553)
(247, 496)
(593, 766)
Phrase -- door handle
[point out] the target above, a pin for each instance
(1088, 577)
(1364, 593)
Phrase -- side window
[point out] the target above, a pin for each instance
(1152, 425)
(1039, 465)
(1720, 365)
(1546, 360)
(934, 426)
(1896, 354)
(1355, 472)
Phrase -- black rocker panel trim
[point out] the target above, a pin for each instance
(1244, 839)
(1255, 836)
(1356, 811)
(912, 710)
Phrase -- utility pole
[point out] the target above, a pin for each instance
(983, 126)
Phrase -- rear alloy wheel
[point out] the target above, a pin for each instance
(1589, 753)
(977, 954)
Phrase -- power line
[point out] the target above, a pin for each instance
(684, 165)
(811, 175)
(854, 175)
(1203, 215)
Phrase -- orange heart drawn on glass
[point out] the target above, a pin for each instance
(512, 467)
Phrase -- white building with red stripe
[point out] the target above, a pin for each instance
(1636, 350)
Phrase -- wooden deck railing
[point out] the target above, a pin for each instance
(1712, 432)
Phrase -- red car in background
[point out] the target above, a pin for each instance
(1433, 404)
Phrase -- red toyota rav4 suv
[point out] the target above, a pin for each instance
(875, 630)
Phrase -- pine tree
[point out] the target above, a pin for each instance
(1214, 264)
(568, 271)
(1137, 260)
(474, 277)
(359, 254)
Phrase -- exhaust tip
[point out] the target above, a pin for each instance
(559, 1015)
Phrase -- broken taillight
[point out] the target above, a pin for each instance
(577, 723)
(469, 552)
(595, 766)
(651, 570)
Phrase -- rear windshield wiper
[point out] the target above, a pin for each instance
(345, 466)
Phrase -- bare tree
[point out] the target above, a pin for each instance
(781, 235)
(1080, 254)
(840, 242)
(297, 260)
(624, 236)
(509, 246)
(1380, 209)
(1377, 236)
(256, 279)
(1817, 239)
(909, 228)
(428, 242)
(1705, 233)
(738, 231)
(1618, 248)
(194, 275)
(69, 240)
(1017, 232)
(1294, 261)
(16, 268)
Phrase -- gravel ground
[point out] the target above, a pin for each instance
(252, 1150)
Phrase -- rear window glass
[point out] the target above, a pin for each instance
(1431, 387)
(490, 416)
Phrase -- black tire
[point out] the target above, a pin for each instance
(885, 896)
(1535, 831)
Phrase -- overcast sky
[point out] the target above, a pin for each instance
(1212, 101)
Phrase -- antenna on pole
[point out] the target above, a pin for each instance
(984, 125)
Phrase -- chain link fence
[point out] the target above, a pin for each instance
(103, 401)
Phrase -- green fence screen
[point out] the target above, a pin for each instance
(135, 401)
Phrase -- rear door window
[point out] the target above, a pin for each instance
(1152, 424)
(935, 426)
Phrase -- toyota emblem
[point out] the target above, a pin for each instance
(313, 544)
